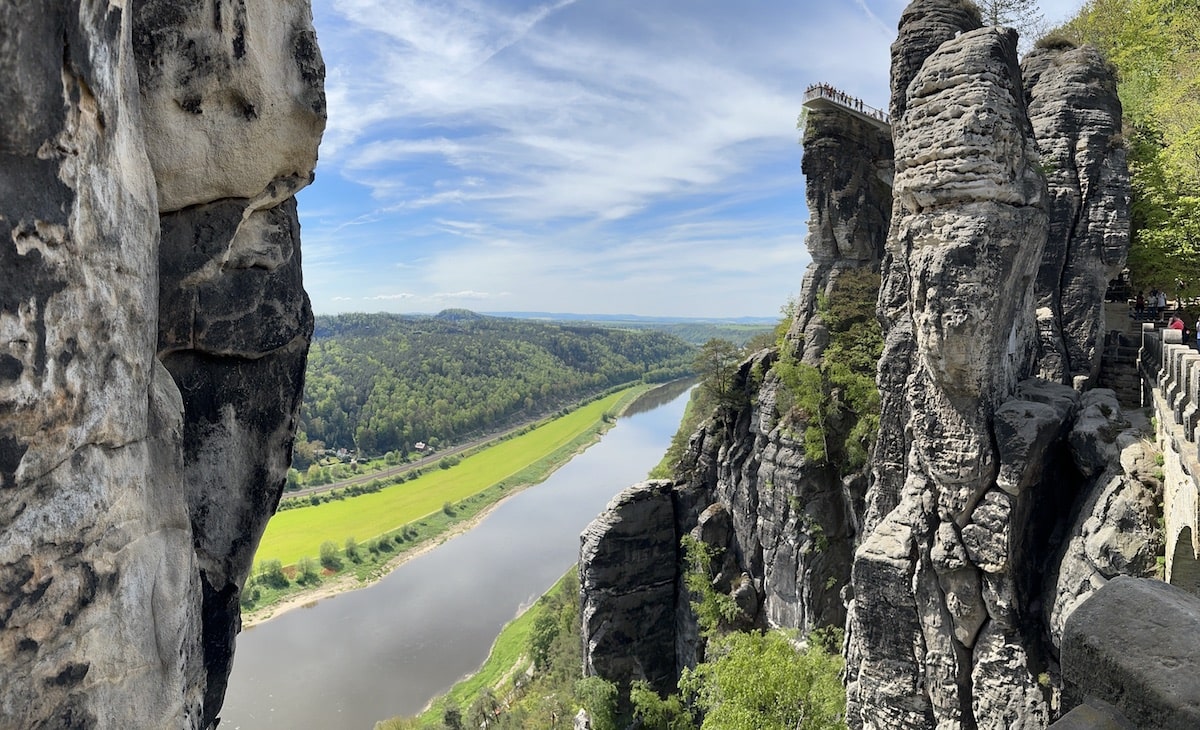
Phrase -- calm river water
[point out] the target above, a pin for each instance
(386, 650)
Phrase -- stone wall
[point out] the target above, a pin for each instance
(1171, 374)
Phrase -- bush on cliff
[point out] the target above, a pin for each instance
(837, 402)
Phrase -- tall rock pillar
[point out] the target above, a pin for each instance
(149, 152)
(99, 584)
(1076, 117)
(932, 616)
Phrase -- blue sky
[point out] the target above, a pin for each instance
(588, 156)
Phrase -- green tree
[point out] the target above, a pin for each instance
(599, 697)
(1155, 46)
(717, 363)
(270, 574)
(1024, 15)
(452, 718)
(541, 639)
(656, 713)
(760, 681)
(352, 550)
(307, 572)
(483, 711)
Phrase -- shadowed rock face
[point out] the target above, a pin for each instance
(924, 26)
(134, 496)
(1076, 118)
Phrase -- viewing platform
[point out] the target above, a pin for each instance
(824, 96)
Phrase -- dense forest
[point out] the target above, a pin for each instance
(384, 382)
(1155, 46)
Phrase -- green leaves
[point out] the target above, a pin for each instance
(842, 388)
(761, 681)
(1155, 45)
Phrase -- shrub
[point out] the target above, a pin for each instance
(270, 574)
(329, 556)
(306, 572)
(352, 551)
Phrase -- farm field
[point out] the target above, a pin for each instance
(297, 533)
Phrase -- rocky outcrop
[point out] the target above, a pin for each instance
(1115, 529)
(942, 565)
(1076, 118)
(136, 496)
(924, 26)
(627, 583)
(782, 524)
(999, 501)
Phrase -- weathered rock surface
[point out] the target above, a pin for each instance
(132, 511)
(1116, 529)
(784, 527)
(1134, 644)
(1076, 118)
(233, 97)
(968, 230)
(627, 580)
(924, 26)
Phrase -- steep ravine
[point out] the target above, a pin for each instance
(1003, 489)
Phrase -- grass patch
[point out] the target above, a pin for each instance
(405, 516)
(295, 533)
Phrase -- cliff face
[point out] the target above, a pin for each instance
(1076, 118)
(782, 524)
(1000, 501)
(136, 493)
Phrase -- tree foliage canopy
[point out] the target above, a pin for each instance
(383, 382)
(1155, 46)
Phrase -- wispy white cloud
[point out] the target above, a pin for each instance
(576, 156)
(390, 297)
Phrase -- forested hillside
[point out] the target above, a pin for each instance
(1155, 45)
(384, 382)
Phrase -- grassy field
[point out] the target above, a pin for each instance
(296, 533)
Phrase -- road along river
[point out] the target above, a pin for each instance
(388, 649)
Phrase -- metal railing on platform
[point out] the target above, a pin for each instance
(841, 98)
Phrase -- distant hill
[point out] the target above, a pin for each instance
(695, 330)
(383, 382)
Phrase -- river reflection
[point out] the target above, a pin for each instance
(386, 650)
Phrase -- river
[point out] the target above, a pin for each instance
(388, 649)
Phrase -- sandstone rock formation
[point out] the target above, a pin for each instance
(1076, 118)
(999, 502)
(627, 583)
(924, 26)
(783, 526)
(134, 499)
(977, 466)
(940, 567)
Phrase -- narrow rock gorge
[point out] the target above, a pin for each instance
(1003, 488)
(153, 331)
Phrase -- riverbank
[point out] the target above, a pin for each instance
(361, 564)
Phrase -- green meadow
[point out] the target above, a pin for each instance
(524, 459)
